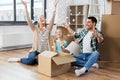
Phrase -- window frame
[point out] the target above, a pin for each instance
(14, 22)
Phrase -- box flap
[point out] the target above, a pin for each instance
(48, 54)
(63, 58)
(63, 54)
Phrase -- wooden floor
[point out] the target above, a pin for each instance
(18, 71)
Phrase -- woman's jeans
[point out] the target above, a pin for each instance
(86, 59)
(31, 60)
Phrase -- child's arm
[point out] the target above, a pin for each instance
(65, 44)
(54, 45)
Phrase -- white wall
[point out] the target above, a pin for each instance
(15, 36)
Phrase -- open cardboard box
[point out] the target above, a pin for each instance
(53, 64)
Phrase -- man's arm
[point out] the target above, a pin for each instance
(98, 36)
(68, 28)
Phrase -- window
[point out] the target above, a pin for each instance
(6, 10)
(13, 12)
(38, 9)
(20, 11)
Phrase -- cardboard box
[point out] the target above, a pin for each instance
(53, 64)
(110, 50)
(113, 7)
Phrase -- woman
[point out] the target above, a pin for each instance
(41, 37)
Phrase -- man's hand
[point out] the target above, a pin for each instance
(65, 25)
(95, 33)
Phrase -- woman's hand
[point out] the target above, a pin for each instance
(24, 3)
(56, 2)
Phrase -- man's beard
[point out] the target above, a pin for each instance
(89, 28)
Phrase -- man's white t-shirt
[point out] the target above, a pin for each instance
(87, 43)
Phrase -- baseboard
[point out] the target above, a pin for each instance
(15, 47)
(109, 64)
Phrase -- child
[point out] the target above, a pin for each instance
(59, 44)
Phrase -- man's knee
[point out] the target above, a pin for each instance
(96, 53)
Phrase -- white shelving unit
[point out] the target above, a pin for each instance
(77, 16)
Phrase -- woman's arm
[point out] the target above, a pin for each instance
(53, 17)
(29, 21)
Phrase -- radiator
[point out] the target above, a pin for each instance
(17, 39)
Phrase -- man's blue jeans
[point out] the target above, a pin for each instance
(31, 60)
(86, 59)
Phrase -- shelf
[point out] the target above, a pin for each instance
(73, 19)
(73, 27)
(72, 9)
(72, 14)
(80, 26)
(80, 9)
(77, 24)
(80, 19)
(80, 15)
(77, 16)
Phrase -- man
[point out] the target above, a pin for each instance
(89, 39)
